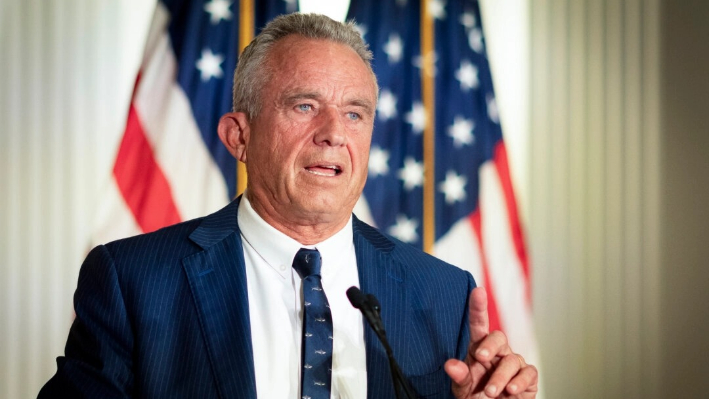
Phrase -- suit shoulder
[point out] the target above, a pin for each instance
(178, 236)
(159, 240)
(168, 246)
(406, 254)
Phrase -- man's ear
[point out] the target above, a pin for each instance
(234, 131)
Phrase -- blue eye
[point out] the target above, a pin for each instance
(353, 116)
(305, 107)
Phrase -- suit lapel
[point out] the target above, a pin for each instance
(383, 277)
(217, 279)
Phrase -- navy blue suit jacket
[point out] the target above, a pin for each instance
(165, 315)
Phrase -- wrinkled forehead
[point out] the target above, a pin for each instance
(296, 56)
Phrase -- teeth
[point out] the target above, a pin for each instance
(319, 173)
(318, 170)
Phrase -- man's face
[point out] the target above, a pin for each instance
(307, 149)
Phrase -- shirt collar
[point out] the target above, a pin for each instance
(278, 249)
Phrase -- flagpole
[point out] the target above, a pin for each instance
(427, 89)
(246, 34)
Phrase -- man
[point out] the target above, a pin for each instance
(212, 308)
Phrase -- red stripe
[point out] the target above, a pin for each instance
(493, 313)
(141, 181)
(503, 170)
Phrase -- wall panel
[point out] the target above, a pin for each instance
(593, 198)
(684, 323)
(65, 82)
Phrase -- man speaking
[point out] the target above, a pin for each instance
(251, 300)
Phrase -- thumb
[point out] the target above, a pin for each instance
(459, 373)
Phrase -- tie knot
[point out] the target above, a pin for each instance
(307, 262)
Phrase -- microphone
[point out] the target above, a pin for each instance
(365, 305)
(356, 297)
(370, 308)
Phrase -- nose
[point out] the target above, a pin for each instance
(330, 130)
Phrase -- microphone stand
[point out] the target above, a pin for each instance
(370, 308)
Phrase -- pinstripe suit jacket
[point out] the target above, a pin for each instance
(165, 315)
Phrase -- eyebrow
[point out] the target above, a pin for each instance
(367, 105)
(290, 98)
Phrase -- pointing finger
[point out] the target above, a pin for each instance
(478, 319)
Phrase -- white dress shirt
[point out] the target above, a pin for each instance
(275, 308)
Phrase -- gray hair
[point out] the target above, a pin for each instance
(253, 70)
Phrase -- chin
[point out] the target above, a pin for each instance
(324, 204)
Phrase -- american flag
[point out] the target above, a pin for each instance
(476, 224)
(171, 165)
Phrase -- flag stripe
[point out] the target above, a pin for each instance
(141, 181)
(461, 247)
(504, 268)
(517, 237)
(116, 219)
(198, 186)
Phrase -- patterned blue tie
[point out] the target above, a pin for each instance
(316, 350)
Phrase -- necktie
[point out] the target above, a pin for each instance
(316, 350)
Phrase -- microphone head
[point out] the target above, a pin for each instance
(373, 302)
(356, 297)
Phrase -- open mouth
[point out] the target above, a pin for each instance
(324, 170)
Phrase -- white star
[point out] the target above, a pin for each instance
(386, 107)
(362, 29)
(437, 8)
(411, 174)
(492, 112)
(208, 64)
(218, 10)
(475, 40)
(430, 59)
(394, 48)
(417, 118)
(453, 188)
(467, 19)
(378, 161)
(461, 131)
(467, 75)
(404, 229)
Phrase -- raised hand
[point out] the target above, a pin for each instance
(491, 369)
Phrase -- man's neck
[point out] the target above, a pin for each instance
(308, 229)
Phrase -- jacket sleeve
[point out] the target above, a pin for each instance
(98, 353)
